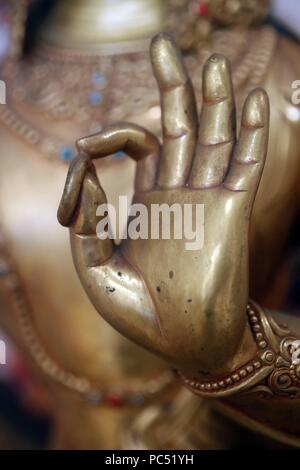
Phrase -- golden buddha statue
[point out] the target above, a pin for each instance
(78, 79)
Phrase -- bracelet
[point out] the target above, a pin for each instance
(274, 370)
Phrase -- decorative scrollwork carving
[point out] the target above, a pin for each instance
(281, 383)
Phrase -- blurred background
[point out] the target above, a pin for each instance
(25, 408)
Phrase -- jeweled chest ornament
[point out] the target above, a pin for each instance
(90, 91)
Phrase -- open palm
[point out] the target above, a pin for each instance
(187, 305)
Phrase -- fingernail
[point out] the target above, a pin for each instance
(256, 109)
(216, 78)
(167, 61)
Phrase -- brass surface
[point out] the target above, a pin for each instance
(89, 24)
(66, 325)
(90, 392)
(147, 303)
(228, 352)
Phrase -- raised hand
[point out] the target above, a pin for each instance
(188, 306)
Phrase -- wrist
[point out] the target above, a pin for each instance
(271, 371)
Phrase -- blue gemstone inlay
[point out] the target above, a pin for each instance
(66, 153)
(94, 398)
(4, 269)
(95, 98)
(120, 154)
(138, 399)
(98, 79)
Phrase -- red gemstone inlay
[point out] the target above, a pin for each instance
(114, 400)
(203, 9)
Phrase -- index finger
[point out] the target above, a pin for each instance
(72, 189)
